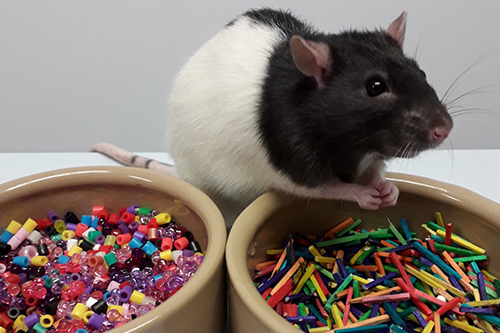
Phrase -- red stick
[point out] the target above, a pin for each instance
(399, 266)
(347, 306)
(418, 302)
(445, 308)
(280, 294)
(447, 238)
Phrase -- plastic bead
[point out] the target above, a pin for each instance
(5, 321)
(5, 248)
(21, 261)
(79, 311)
(6, 236)
(19, 321)
(68, 234)
(123, 239)
(110, 259)
(74, 249)
(167, 255)
(39, 261)
(110, 240)
(42, 249)
(46, 321)
(39, 328)
(13, 313)
(86, 219)
(92, 235)
(63, 260)
(181, 243)
(137, 297)
(135, 243)
(149, 248)
(60, 226)
(100, 306)
(163, 218)
(34, 237)
(31, 320)
(96, 320)
(87, 316)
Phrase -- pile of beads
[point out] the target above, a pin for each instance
(91, 273)
(350, 280)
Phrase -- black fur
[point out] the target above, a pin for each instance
(315, 136)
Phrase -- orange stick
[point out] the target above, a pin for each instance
(287, 276)
(437, 323)
(365, 268)
(386, 243)
(439, 272)
(339, 227)
(378, 262)
(280, 262)
(378, 293)
(263, 265)
(454, 265)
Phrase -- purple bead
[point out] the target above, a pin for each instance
(22, 278)
(133, 226)
(88, 290)
(123, 228)
(132, 209)
(100, 239)
(96, 320)
(125, 293)
(31, 320)
(187, 253)
(139, 236)
(53, 216)
(75, 277)
(70, 226)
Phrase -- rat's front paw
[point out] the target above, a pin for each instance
(368, 198)
(388, 193)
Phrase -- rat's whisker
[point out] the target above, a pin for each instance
(476, 91)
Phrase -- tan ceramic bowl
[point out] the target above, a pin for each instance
(270, 218)
(200, 306)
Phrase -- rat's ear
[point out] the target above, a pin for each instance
(311, 58)
(397, 28)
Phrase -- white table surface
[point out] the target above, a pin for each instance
(477, 170)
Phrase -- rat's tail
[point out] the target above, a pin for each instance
(127, 158)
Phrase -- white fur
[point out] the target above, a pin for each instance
(212, 126)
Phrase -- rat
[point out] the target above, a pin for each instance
(272, 104)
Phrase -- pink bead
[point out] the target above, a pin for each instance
(28, 251)
(40, 293)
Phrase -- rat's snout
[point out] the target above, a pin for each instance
(439, 133)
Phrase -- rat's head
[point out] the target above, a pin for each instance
(365, 82)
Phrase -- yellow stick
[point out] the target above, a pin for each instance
(428, 327)
(462, 242)
(368, 322)
(463, 326)
(485, 303)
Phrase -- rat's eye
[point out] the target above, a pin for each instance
(375, 87)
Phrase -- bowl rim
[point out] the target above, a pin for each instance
(196, 200)
(245, 227)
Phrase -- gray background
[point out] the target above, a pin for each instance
(73, 73)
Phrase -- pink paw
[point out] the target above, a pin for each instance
(388, 193)
(368, 198)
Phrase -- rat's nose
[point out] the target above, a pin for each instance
(439, 133)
